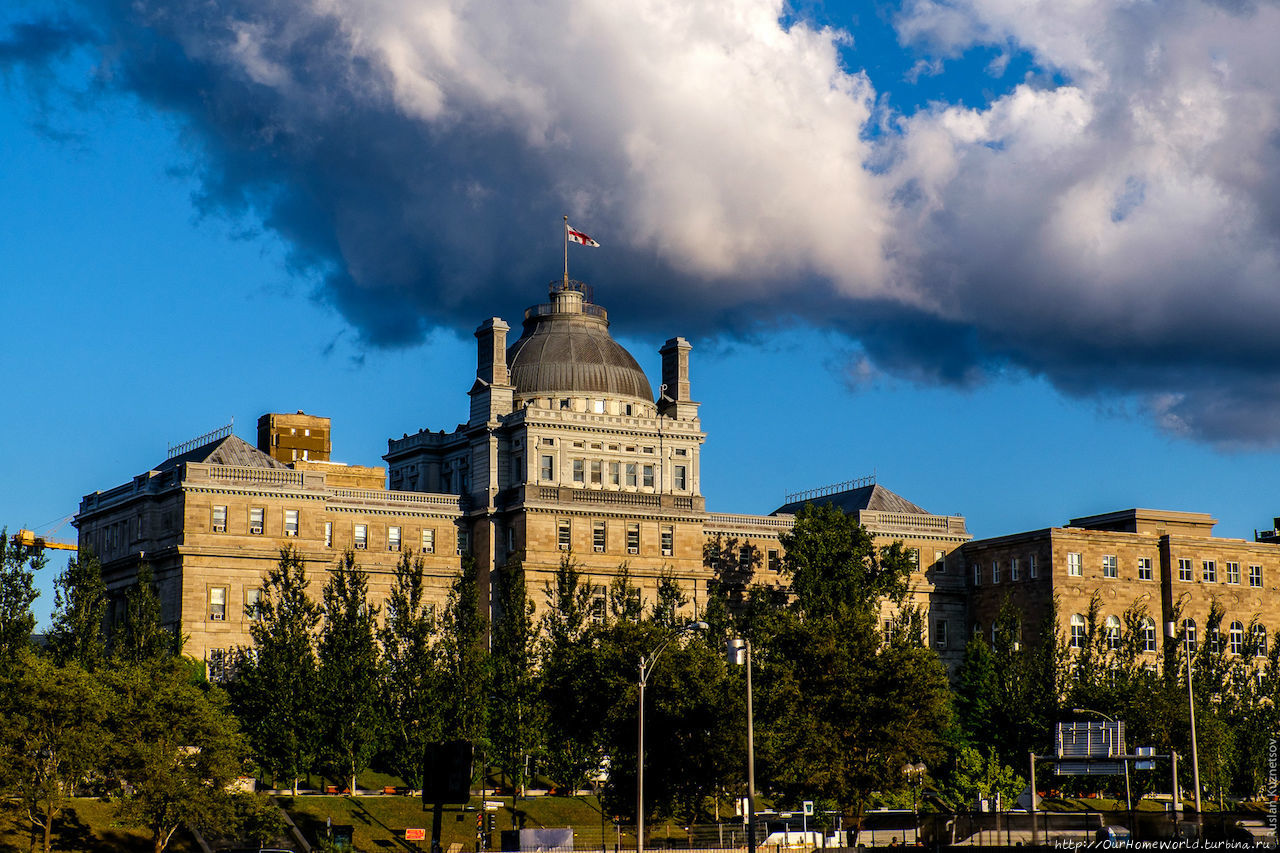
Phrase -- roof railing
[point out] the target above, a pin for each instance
(201, 440)
(833, 489)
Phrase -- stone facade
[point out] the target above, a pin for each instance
(566, 451)
(1165, 563)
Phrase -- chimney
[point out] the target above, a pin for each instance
(492, 395)
(675, 401)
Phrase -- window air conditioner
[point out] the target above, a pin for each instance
(360, 546)
(666, 552)
(255, 529)
(427, 549)
(599, 549)
(219, 528)
(288, 532)
(217, 617)
(395, 547)
(633, 550)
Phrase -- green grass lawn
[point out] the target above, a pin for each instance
(84, 826)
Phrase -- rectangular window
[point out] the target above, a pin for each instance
(1185, 572)
(939, 561)
(579, 471)
(599, 603)
(1210, 571)
(774, 560)
(1031, 566)
(744, 557)
(464, 542)
(596, 466)
(940, 633)
(1144, 568)
(1013, 568)
(217, 668)
(678, 478)
(511, 540)
(977, 575)
(633, 539)
(428, 541)
(1233, 573)
(1255, 576)
(393, 538)
(913, 557)
(517, 469)
(290, 522)
(615, 470)
(564, 535)
(648, 476)
(631, 474)
(1110, 566)
(219, 519)
(598, 540)
(251, 599)
(1075, 565)
(548, 468)
(328, 534)
(362, 537)
(217, 604)
(668, 541)
(257, 515)
(995, 571)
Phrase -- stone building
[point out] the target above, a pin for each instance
(1165, 563)
(566, 450)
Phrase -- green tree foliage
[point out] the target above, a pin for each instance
(669, 600)
(412, 672)
(51, 735)
(834, 566)
(515, 715)
(144, 638)
(733, 565)
(571, 719)
(349, 678)
(276, 692)
(979, 775)
(18, 566)
(182, 751)
(466, 658)
(80, 606)
(625, 603)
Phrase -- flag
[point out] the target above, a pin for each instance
(579, 237)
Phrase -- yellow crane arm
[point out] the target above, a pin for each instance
(28, 539)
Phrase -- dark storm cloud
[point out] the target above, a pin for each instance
(1111, 226)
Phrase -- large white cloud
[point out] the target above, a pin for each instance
(1110, 224)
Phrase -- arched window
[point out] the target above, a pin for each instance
(1189, 625)
(1077, 631)
(1113, 632)
(1260, 639)
(1148, 634)
(1236, 636)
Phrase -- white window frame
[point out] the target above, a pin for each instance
(252, 596)
(257, 520)
(1031, 566)
(679, 477)
(219, 521)
(1233, 572)
(290, 522)
(1113, 630)
(1013, 569)
(633, 538)
(428, 540)
(1110, 566)
(1078, 629)
(548, 468)
(647, 476)
(328, 534)
(1236, 637)
(360, 537)
(217, 597)
(668, 541)
(564, 534)
(995, 571)
(631, 475)
(1186, 570)
(599, 537)
(1075, 564)
(1144, 569)
(1210, 570)
(393, 538)
(580, 471)
(1149, 635)
(1255, 576)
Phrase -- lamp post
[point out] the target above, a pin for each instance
(1128, 798)
(740, 652)
(646, 669)
(1171, 630)
(915, 776)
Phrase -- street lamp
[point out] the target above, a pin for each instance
(1171, 631)
(739, 653)
(646, 669)
(915, 776)
(1128, 798)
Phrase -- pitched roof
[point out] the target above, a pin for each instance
(229, 450)
(873, 497)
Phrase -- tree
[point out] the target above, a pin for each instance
(625, 603)
(412, 675)
(80, 607)
(833, 563)
(669, 600)
(349, 701)
(571, 719)
(182, 752)
(275, 693)
(52, 735)
(466, 658)
(18, 566)
(515, 716)
(144, 638)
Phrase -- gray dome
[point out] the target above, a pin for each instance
(566, 350)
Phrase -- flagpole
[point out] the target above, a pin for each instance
(566, 252)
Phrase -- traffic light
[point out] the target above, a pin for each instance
(480, 822)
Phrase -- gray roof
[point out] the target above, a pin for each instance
(874, 497)
(229, 450)
(573, 354)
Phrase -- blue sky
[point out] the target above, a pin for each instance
(985, 256)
